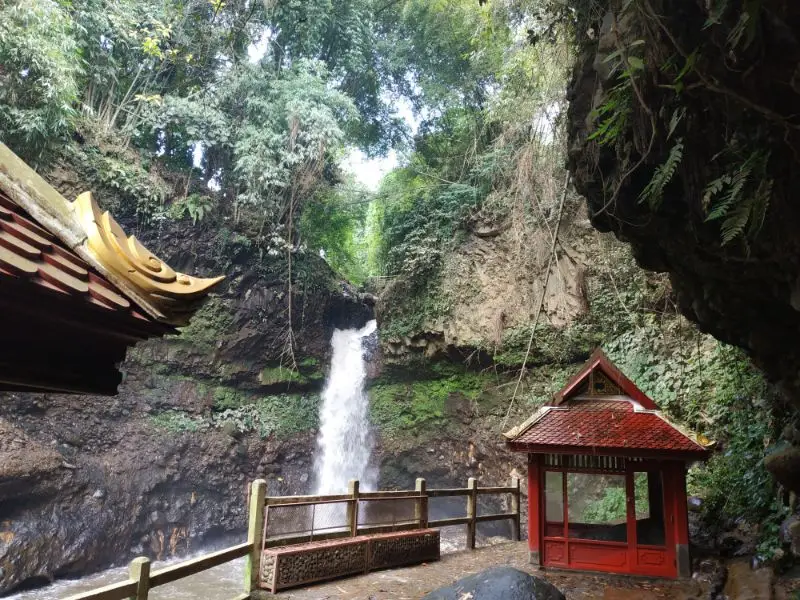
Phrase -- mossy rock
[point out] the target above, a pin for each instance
(277, 375)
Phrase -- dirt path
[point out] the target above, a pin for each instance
(414, 582)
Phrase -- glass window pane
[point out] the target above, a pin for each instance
(649, 498)
(597, 507)
(641, 496)
(554, 497)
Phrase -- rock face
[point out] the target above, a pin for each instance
(493, 286)
(101, 486)
(498, 583)
(86, 482)
(720, 100)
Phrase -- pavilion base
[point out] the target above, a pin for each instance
(534, 557)
(607, 574)
(683, 560)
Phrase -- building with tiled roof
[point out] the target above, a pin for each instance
(75, 291)
(607, 477)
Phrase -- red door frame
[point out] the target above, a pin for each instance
(637, 551)
(637, 555)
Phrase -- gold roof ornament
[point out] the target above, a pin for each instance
(95, 237)
(173, 294)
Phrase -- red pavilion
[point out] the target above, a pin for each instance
(607, 478)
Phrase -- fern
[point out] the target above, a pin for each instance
(614, 112)
(758, 212)
(734, 225)
(653, 193)
(676, 119)
(743, 198)
(712, 189)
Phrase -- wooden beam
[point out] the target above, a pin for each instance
(140, 573)
(421, 505)
(255, 535)
(449, 522)
(115, 591)
(352, 507)
(515, 510)
(472, 511)
(198, 565)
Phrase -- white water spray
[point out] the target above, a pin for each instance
(345, 440)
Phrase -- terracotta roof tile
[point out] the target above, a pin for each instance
(29, 252)
(611, 424)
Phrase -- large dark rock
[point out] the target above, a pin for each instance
(784, 464)
(498, 583)
(736, 99)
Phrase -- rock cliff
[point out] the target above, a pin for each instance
(684, 141)
(713, 92)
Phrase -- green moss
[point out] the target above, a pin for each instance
(227, 397)
(415, 407)
(283, 415)
(208, 324)
(276, 375)
(550, 345)
(174, 421)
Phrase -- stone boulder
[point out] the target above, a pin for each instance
(783, 463)
(498, 583)
(790, 534)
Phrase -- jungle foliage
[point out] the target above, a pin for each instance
(241, 112)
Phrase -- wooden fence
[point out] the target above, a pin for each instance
(141, 580)
(420, 497)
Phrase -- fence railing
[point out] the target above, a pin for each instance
(344, 515)
(293, 520)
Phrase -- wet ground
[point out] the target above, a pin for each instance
(412, 583)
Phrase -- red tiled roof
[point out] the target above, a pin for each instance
(30, 253)
(604, 424)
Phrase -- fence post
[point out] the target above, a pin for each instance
(472, 511)
(352, 507)
(255, 534)
(140, 573)
(515, 522)
(421, 505)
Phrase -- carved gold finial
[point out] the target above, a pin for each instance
(134, 264)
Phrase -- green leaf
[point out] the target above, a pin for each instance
(636, 63)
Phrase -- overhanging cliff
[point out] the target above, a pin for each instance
(685, 140)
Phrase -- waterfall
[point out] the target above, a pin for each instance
(344, 445)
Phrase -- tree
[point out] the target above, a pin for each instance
(39, 71)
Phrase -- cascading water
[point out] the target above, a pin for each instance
(345, 440)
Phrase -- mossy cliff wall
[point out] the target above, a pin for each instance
(684, 139)
(697, 166)
(452, 379)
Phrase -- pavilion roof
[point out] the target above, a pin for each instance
(75, 290)
(601, 411)
(31, 255)
(88, 236)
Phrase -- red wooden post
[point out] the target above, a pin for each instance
(534, 507)
(683, 561)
